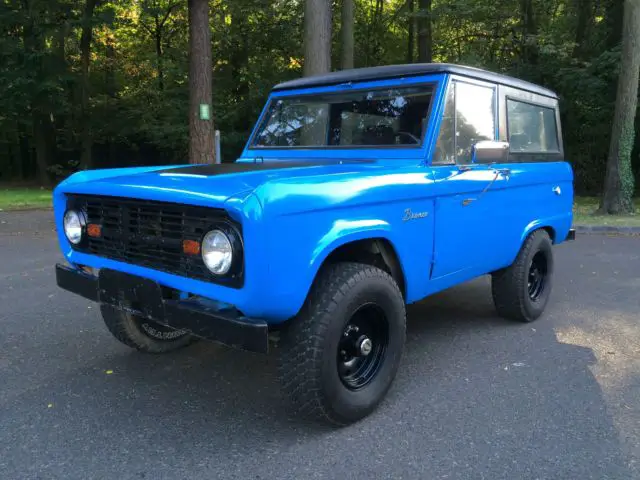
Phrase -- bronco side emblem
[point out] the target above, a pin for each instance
(409, 215)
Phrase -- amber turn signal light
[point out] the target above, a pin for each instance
(191, 247)
(94, 230)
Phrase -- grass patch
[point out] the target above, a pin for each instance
(584, 209)
(20, 198)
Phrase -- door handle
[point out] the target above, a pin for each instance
(505, 172)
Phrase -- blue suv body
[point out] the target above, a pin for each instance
(358, 192)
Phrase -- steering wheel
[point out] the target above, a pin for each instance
(410, 136)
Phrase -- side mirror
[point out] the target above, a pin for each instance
(489, 151)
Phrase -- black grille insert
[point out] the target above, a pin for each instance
(150, 233)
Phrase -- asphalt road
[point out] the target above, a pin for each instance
(477, 397)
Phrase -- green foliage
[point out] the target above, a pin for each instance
(138, 72)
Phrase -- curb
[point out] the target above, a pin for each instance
(607, 229)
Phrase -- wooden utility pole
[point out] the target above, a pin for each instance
(201, 131)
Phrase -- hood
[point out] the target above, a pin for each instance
(210, 185)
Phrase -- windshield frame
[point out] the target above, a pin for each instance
(436, 83)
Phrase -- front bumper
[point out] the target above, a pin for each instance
(146, 298)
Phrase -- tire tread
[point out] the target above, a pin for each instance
(508, 284)
(300, 362)
(125, 330)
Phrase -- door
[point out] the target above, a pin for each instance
(468, 214)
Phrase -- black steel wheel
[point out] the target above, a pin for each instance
(521, 291)
(340, 355)
(537, 275)
(142, 334)
(363, 346)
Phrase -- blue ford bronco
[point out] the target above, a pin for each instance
(358, 192)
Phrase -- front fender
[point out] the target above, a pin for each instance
(299, 244)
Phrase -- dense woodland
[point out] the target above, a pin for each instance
(102, 83)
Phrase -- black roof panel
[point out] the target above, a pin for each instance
(410, 70)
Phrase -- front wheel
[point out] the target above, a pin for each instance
(521, 291)
(339, 356)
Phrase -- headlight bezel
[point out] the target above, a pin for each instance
(236, 269)
(83, 226)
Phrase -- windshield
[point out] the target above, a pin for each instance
(365, 118)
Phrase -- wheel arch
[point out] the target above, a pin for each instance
(538, 225)
(533, 227)
(376, 250)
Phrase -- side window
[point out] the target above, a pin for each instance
(469, 116)
(474, 118)
(531, 128)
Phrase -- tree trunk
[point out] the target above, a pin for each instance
(317, 37)
(529, 33)
(412, 31)
(239, 60)
(584, 10)
(346, 34)
(34, 44)
(111, 88)
(377, 27)
(25, 152)
(425, 35)
(201, 132)
(85, 60)
(619, 182)
(159, 59)
(41, 136)
(110, 71)
(613, 21)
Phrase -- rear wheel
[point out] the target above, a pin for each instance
(339, 356)
(521, 291)
(142, 334)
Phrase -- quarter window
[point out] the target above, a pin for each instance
(532, 128)
(445, 152)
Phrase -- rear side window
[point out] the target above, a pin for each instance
(531, 128)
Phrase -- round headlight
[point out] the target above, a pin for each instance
(217, 252)
(73, 226)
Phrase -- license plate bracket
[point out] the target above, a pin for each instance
(131, 293)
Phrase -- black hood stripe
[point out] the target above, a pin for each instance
(211, 170)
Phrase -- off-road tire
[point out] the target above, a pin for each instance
(141, 334)
(309, 344)
(510, 286)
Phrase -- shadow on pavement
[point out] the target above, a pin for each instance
(476, 397)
